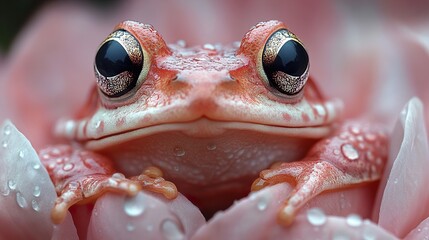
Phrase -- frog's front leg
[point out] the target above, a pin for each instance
(80, 176)
(354, 155)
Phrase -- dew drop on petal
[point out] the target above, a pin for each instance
(349, 152)
(133, 208)
(35, 205)
(262, 203)
(36, 166)
(21, 154)
(6, 130)
(5, 192)
(179, 152)
(316, 217)
(11, 184)
(36, 191)
(354, 220)
(252, 196)
(130, 227)
(171, 231)
(4, 144)
(20, 200)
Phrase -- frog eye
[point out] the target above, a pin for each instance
(118, 64)
(285, 62)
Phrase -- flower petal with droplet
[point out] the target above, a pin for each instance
(404, 200)
(26, 192)
(149, 215)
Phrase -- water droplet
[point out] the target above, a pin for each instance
(395, 181)
(370, 137)
(316, 217)
(118, 176)
(252, 196)
(132, 207)
(181, 43)
(171, 231)
(336, 152)
(209, 46)
(68, 166)
(179, 152)
(355, 130)
(36, 166)
(6, 130)
(97, 124)
(350, 152)
(11, 184)
(262, 203)
(5, 192)
(149, 228)
(130, 227)
(4, 144)
(21, 154)
(370, 156)
(211, 146)
(354, 220)
(36, 191)
(20, 200)
(35, 205)
(344, 135)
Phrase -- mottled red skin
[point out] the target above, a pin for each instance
(216, 88)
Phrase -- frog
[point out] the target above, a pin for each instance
(212, 122)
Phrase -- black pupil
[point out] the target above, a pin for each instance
(291, 59)
(112, 59)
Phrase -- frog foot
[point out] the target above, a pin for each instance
(90, 187)
(81, 176)
(309, 179)
(353, 156)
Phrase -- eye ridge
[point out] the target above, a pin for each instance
(118, 64)
(285, 62)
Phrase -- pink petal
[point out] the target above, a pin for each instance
(420, 232)
(146, 216)
(27, 194)
(255, 218)
(404, 201)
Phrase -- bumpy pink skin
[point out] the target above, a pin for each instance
(407, 135)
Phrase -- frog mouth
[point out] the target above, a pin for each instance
(204, 128)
